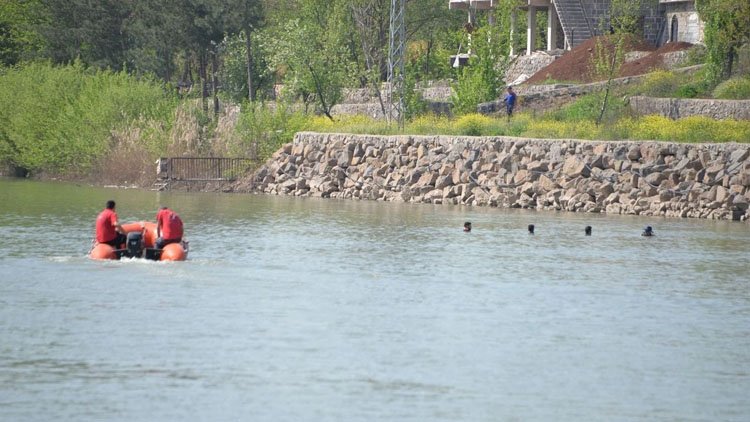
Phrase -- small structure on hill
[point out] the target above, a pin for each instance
(571, 22)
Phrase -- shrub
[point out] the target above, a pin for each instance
(690, 129)
(588, 108)
(61, 119)
(472, 124)
(733, 89)
(660, 83)
(429, 124)
(696, 55)
(262, 130)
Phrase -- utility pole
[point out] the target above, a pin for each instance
(396, 50)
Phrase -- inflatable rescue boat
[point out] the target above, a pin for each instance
(141, 237)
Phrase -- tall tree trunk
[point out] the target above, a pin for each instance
(214, 82)
(248, 46)
(204, 81)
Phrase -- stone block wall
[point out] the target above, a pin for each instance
(676, 108)
(640, 178)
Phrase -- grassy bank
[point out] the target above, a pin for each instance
(110, 127)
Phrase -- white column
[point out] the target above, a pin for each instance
(531, 30)
(552, 23)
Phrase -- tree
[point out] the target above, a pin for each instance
(312, 52)
(610, 50)
(90, 30)
(19, 39)
(727, 28)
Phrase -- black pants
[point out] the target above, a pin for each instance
(117, 241)
(160, 243)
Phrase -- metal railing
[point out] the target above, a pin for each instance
(202, 169)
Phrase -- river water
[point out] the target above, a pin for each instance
(292, 309)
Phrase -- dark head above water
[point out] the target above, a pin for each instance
(467, 226)
(648, 231)
(587, 230)
(531, 229)
(110, 204)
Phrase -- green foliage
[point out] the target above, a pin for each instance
(262, 130)
(414, 105)
(471, 124)
(660, 83)
(588, 108)
(234, 71)
(733, 89)
(666, 84)
(313, 54)
(696, 55)
(482, 79)
(727, 27)
(558, 130)
(470, 90)
(18, 39)
(692, 129)
(689, 129)
(61, 119)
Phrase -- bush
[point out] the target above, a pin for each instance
(62, 119)
(429, 124)
(696, 55)
(733, 89)
(588, 108)
(689, 129)
(472, 124)
(660, 83)
(261, 130)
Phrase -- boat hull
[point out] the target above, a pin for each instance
(147, 230)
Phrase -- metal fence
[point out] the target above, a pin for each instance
(201, 169)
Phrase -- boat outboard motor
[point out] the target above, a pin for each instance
(134, 244)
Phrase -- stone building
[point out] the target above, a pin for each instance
(571, 22)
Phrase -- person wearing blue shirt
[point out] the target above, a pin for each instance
(510, 101)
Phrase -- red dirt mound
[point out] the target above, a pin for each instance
(653, 61)
(576, 64)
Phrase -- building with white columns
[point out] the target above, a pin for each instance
(571, 22)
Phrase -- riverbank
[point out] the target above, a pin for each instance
(626, 177)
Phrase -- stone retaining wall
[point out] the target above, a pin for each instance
(541, 98)
(645, 178)
(676, 108)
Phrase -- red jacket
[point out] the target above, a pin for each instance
(105, 226)
(169, 223)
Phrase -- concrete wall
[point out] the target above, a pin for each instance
(644, 178)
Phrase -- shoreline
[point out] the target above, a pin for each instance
(710, 181)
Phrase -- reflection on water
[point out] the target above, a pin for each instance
(308, 309)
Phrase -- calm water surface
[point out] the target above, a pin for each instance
(323, 310)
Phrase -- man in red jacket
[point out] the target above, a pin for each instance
(108, 229)
(168, 228)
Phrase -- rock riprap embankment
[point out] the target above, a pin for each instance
(644, 178)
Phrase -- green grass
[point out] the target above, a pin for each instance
(657, 128)
(69, 119)
(733, 89)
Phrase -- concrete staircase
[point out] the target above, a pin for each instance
(574, 23)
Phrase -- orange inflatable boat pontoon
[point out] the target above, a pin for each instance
(141, 237)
